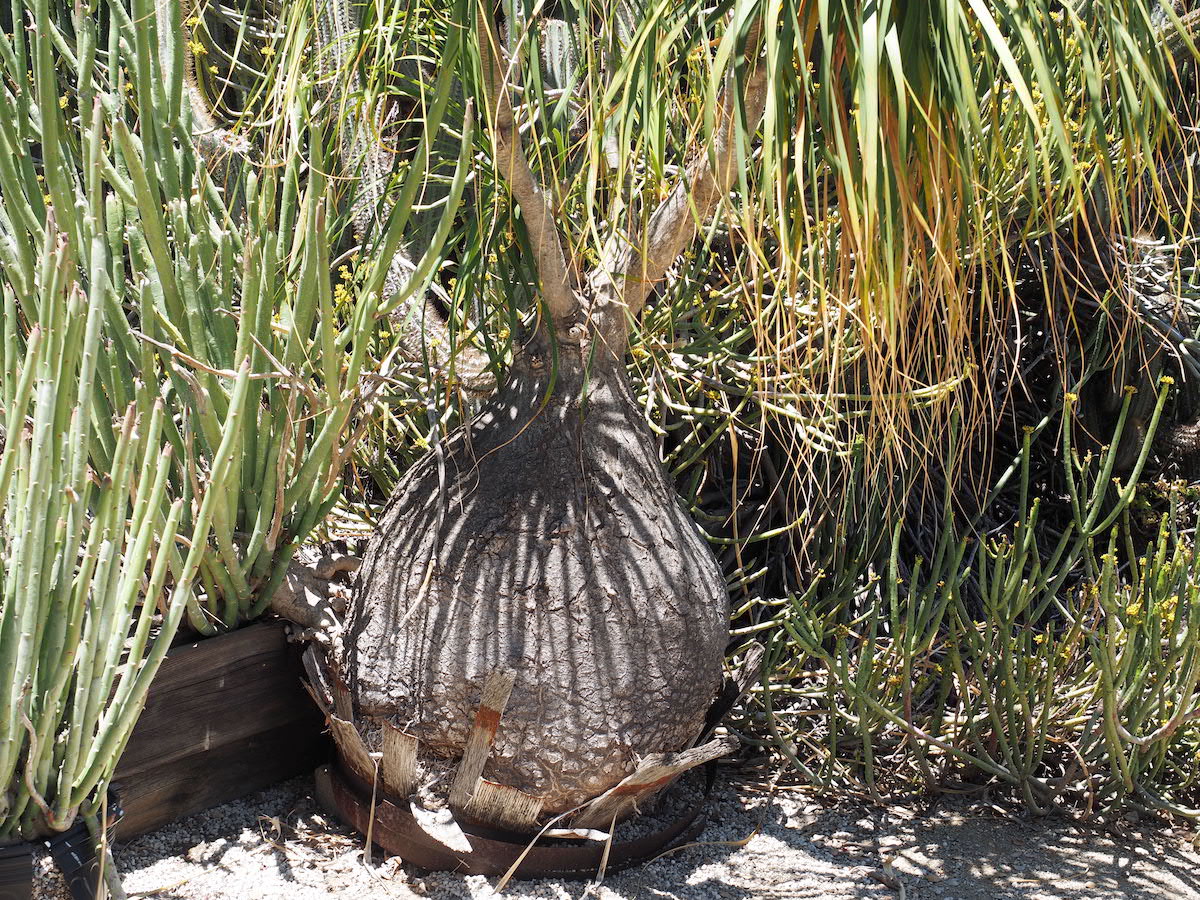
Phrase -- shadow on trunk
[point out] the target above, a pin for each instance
(544, 539)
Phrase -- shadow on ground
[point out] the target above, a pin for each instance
(974, 855)
(757, 846)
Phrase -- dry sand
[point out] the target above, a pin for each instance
(276, 845)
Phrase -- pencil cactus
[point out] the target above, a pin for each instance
(174, 404)
(86, 611)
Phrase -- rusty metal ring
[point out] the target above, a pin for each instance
(395, 830)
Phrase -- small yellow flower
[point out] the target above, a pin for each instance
(62, 101)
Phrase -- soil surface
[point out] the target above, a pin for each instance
(759, 843)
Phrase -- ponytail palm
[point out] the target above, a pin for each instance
(540, 563)
(868, 187)
(912, 155)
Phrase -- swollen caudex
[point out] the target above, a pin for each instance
(558, 554)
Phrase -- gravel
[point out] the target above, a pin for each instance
(759, 843)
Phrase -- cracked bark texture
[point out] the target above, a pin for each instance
(545, 539)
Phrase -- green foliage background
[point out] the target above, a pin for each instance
(890, 380)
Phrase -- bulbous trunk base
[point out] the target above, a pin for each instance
(542, 541)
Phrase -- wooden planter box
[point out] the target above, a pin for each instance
(224, 717)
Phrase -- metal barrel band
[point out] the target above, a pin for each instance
(396, 830)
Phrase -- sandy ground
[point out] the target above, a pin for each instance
(276, 845)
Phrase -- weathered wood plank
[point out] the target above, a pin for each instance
(399, 765)
(352, 748)
(216, 692)
(224, 717)
(498, 804)
(652, 774)
(159, 796)
(496, 691)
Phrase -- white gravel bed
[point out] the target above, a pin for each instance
(277, 845)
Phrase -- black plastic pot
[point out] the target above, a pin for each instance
(72, 851)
